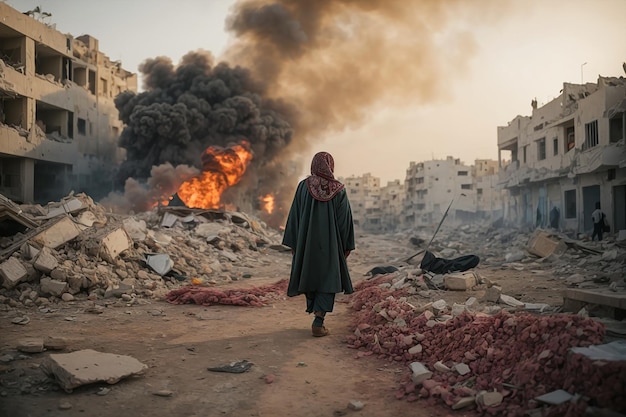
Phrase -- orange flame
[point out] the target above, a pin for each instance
(222, 168)
(268, 203)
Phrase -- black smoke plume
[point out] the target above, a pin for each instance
(296, 71)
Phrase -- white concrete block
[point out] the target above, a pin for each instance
(58, 234)
(114, 243)
(88, 366)
(12, 272)
(45, 261)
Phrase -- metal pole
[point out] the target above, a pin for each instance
(581, 73)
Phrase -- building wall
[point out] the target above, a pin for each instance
(570, 178)
(58, 118)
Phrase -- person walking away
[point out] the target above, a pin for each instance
(320, 233)
(598, 222)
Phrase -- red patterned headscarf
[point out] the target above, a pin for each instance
(322, 183)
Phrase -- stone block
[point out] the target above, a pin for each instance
(114, 243)
(12, 272)
(492, 294)
(462, 368)
(45, 261)
(52, 286)
(489, 398)
(420, 372)
(460, 282)
(542, 245)
(58, 234)
(31, 345)
(72, 370)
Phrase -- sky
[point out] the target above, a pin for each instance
(527, 51)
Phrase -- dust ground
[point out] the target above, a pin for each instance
(312, 377)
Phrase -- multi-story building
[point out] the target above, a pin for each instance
(431, 187)
(364, 195)
(489, 195)
(391, 205)
(58, 122)
(567, 156)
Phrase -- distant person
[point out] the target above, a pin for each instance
(320, 233)
(598, 222)
(555, 216)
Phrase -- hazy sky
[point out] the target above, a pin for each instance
(525, 53)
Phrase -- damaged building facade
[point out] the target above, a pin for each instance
(566, 156)
(58, 122)
(432, 186)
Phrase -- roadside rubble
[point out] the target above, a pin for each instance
(497, 362)
(74, 250)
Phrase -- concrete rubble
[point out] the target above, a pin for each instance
(71, 370)
(75, 250)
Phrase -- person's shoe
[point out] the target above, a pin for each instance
(319, 331)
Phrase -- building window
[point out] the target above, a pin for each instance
(420, 180)
(555, 146)
(570, 204)
(479, 191)
(541, 149)
(466, 186)
(570, 138)
(82, 126)
(524, 154)
(616, 128)
(591, 134)
(462, 173)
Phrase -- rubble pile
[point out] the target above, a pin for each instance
(248, 297)
(74, 249)
(498, 363)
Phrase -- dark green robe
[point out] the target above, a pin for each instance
(319, 232)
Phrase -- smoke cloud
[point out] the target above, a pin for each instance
(295, 71)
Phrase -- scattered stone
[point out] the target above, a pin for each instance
(555, 397)
(355, 405)
(492, 294)
(52, 286)
(460, 281)
(489, 398)
(439, 366)
(103, 391)
(66, 296)
(269, 378)
(21, 320)
(415, 349)
(65, 405)
(463, 402)
(462, 369)
(55, 343)
(163, 393)
(45, 261)
(420, 372)
(83, 367)
(31, 345)
(58, 234)
(12, 272)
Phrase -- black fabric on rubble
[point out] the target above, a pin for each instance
(441, 266)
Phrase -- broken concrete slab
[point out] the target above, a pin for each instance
(52, 286)
(45, 261)
(83, 367)
(542, 245)
(114, 243)
(492, 294)
(12, 272)
(65, 207)
(31, 345)
(136, 229)
(420, 372)
(59, 233)
(160, 263)
(555, 397)
(462, 368)
(460, 281)
(489, 398)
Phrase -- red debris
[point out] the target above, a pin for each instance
(247, 297)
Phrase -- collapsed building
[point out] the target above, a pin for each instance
(58, 123)
(566, 156)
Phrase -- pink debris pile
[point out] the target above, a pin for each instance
(496, 363)
(246, 297)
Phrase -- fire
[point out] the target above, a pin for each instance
(221, 168)
(268, 203)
